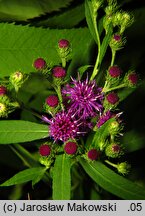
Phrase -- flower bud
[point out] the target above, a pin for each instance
(93, 154)
(115, 71)
(133, 78)
(3, 90)
(58, 72)
(117, 43)
(123, 168)
(113, 150)
(70, 148)
(39, 64)
(44, 150)
(3, 110)
(114, 127)
(17, 79)
(112, 98)
(52, 101)
(63, 43)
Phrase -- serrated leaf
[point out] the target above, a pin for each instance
(112, 182)
(61, 178)
(68, 19)
(22, 10)
(21, 45)
(13, 131)
(25, 176)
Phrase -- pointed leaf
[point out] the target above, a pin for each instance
(25, 176)
(13, 131)
(61, 178)
(23, 10)
(113, 182)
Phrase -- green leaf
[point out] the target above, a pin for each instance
(68, 19)
(25, 176)
(13, 131)
(21, 45)
(27, 158)
(82, 69)
(133, 140)
(61, 178)
(23, 10)
(89, 18)
(113, 182)
(105, 43)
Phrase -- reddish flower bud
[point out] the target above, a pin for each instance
(39, 64)
(58, 72)
(3, 90)
(112, 98)
(44, 150)
(70, 148)
(116, 148)
(52, 100)
(133, 78)
(114, 71)
(93, 154)
(113, 150)
(117, 37)
(63, 43)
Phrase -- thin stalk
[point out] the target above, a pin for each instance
(95, 71)
(58, 90)
(113, 57)
(114, 88)
(63, 60)
(110, 163)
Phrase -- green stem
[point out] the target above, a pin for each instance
(95, 71)
(63, 60)
(110, 163)
(58, 90)
(113, 57)
(114, 88)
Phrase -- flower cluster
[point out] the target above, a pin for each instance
(81, 106)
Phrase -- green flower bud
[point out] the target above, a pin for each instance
(17, 79)
(3, 110)
(114, 127)
(126, 21)
(113, 150)
(116, 42)
(123, 168)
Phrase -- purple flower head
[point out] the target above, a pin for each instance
(84, 98)
(63, 127)
(105, 117)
